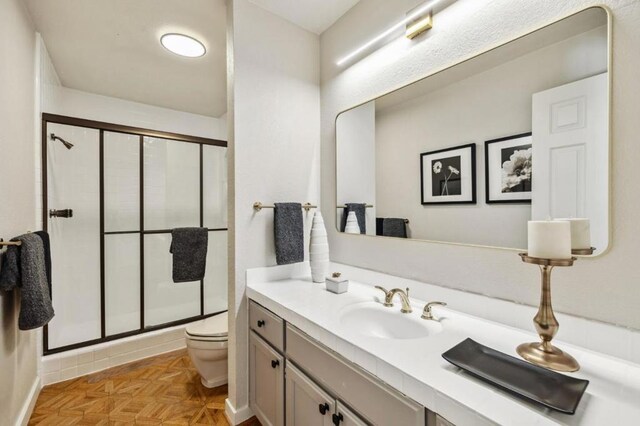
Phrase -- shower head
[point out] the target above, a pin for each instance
(66, 144)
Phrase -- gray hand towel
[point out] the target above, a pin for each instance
(189, 249)
(394, 227)
(10, 272)
(36, 309)
(288, 230)
(360, 209)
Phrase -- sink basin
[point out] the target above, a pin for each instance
(374, 320)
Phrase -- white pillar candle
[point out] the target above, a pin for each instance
(580, 233)
(549, 239)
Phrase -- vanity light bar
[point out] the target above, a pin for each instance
(420, 25)
(415, 14)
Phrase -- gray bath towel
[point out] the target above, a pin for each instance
(360, 209)
(36, 309)
(46, 245)
(394, 227)
(288, 230)
(189, 249)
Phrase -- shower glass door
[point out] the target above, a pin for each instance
(128, 188)
(74, 183)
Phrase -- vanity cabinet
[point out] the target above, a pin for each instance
(295, 380)
(309, 405)
(266, 382)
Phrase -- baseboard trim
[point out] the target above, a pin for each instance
(29, 403)
(234, 416)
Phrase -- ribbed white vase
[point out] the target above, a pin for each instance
(318, 249)
(352, 226)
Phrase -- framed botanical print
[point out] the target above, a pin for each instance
(507, 163)
(448, 176)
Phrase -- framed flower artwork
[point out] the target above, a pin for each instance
(507, 163)
(448, 176)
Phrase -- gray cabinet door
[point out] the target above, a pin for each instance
(266, 382)
(441, 421)
(346, 417)
(307, 404)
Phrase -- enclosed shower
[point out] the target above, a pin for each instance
(112, 195)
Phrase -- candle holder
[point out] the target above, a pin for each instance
(543, 353)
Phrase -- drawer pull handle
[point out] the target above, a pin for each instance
(260, 323)
(337, 418)
(274, 363)
(323, 408)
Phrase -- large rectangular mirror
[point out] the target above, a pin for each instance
(468, 155)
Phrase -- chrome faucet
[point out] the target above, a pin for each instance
(404, 298)
(426, 313)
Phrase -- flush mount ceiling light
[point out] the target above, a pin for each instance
(416, 22)
(183, 45)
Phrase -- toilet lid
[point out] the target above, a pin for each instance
(215, 326)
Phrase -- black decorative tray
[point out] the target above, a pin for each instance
(518, 377)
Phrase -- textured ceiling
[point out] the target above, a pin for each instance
(112, 48)
(312, 15)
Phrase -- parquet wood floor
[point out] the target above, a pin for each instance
(161, 390)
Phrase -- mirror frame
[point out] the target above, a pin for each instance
(469, 58)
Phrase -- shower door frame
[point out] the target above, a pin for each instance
(103, 127)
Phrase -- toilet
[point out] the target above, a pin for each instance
(207, 345)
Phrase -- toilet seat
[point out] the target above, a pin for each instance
(212, 329)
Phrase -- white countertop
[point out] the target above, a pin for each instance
(416, 367)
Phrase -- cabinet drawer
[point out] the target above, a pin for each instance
(267, 325)
(379, 404)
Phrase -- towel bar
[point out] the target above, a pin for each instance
(369, 206)
(10, 243)
(257, 206)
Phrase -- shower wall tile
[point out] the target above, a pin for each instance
(164, 300)
(214, 172)
(84, 369)
(171, 184)
(52, 377)
(99, 354)
(85, 356)
(121, 182)
(122, 283)
(215, 281)
(68, 362)
(68, 373)
(75, 363)
(49, 365)
(73, 179)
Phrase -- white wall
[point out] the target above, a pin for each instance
(75, 103)
(56, 99)
(356, 161)
(605, 288)
(489, 105)
(18, 349)
(274, 113)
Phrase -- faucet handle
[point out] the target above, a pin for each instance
(426, 313)
(387, 296)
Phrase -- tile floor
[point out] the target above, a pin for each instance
(165, 389)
